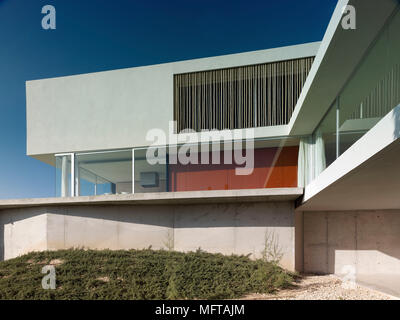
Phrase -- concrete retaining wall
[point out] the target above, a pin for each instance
(364, 241)
(238, 228)
(21, 231)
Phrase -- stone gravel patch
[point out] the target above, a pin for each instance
(322, 287)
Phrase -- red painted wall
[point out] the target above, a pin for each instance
(266, 174)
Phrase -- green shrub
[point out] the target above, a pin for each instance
(139, 274)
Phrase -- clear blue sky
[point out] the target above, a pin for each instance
(97, 35)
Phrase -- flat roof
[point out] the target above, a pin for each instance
(270, 55)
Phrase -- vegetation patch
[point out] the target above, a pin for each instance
(139, 274)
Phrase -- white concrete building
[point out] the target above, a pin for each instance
(319, 124)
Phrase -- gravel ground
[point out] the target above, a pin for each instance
(325, 287)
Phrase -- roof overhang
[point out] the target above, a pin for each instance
(340, 52)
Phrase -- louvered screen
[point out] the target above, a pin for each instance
(242, 97)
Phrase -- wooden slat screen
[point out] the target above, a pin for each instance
(241, 97)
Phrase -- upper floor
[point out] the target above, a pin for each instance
(309, 107)
(116, 109)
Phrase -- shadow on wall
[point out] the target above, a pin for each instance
(196, 215)
(238, 228)
(366, 242)
(29, 234)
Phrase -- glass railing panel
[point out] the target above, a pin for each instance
(373, 90)
(108, 172)
(151, 170)
(370, 94)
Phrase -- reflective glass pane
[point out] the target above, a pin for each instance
(107, 172)
(151, 170)
(373, 90)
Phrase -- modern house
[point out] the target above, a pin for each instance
(291, 152)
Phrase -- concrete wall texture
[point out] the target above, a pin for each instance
(313, 242)
(366, 241)
(238, 228)
(22, 230)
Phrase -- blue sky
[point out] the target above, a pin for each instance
(97, 35)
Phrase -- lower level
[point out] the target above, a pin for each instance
(226, 228)
(359, 245)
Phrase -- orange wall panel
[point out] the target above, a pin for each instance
(273, 168)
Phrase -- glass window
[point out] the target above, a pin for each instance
(268, 163)
(151, 170)
(373, 90)
(104, 173)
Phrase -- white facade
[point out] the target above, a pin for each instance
(115, 109)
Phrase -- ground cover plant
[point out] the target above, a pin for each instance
(139, 274)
